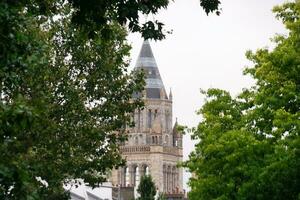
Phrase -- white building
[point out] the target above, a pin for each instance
(84, 192)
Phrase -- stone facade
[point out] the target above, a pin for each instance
(154, 146)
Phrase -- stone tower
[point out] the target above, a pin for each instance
(154, 146)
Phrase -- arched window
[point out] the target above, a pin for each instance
(146, 170)
(136, 140)
(126, 176)
(167, 140)
(136, 176)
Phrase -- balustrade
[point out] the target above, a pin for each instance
(134, 149)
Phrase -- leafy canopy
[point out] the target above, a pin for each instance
(65, 99)
(97, 15)
(249, 145)
(65, 92)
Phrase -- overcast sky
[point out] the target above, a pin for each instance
(208, 51)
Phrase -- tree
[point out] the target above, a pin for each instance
(146, 188)
(161, 196)
(65, 92)
(65, 99)
(96, 16)
(249, 145)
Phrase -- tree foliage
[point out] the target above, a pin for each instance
(65, 99)
(97, 15)
(65, 90)
(249, 145)
(211, 6)
(146, 188)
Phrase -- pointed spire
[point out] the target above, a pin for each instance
(155, 88)
(171, 96)
(146, 50)
(146, 58)
(175, 131)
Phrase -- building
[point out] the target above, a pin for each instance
(83, 192)
(154, 145)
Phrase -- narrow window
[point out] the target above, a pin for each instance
(137, 176)
(126, 176)
(139, 119)
(167, 140)
(149, 118)
(167, 121)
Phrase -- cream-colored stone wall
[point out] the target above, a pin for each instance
(154, 158)
(152, 148)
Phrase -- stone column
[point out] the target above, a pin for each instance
(177, 178)
(120, 181)
(169, 179)
(165, 178)
(142, 170)
(174, 169)
(172, 178)
(121, 176)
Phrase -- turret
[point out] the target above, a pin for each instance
(170, 95)
(177, 136)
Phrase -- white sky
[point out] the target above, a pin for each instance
(208, 51)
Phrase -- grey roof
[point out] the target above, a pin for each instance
(146, 62)
(146, 50)
(146, 58)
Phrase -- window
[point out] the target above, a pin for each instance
(167, 140)
(167, 121)
(126, 176)
(136, 176)
(149, 118)
(139, 119)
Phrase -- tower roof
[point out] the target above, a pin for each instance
(154, 84)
